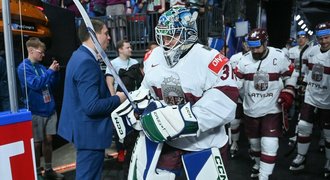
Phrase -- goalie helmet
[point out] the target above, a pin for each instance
(322, 29)
(257, 37)
(176, 32)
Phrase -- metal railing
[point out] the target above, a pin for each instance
(139, 29)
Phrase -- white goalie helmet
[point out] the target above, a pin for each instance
(176, 32)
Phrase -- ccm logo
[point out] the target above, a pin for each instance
(118, 125)
(220, 167)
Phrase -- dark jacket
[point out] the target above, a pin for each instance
(87, 104)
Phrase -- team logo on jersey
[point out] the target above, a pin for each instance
(261, 79)
(172, 92)
(217, 63)
(317, 72)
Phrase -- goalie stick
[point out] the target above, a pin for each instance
(101, 52)
(285, 121)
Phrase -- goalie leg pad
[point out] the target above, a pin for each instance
(206, 164)
(144, 161)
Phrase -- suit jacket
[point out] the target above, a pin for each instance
(87, 103)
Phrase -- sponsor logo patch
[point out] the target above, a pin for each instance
(217, 63)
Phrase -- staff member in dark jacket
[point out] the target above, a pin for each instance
(87, 105)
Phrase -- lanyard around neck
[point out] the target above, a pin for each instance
(36, 71)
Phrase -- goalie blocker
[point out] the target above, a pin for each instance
(124, 118)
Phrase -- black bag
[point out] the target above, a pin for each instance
(132, 77)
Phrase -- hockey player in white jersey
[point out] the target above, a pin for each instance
(296, 55)
(262, 71)
(194, 94)
(235, 124)
(317, 98)
(290, 43)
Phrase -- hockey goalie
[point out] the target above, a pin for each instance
(188, 94)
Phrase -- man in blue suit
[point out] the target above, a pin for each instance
(87, 105)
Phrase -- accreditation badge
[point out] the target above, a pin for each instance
(46, 95)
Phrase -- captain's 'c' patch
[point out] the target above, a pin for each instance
(217, 63)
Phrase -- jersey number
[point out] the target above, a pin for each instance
(226, 73)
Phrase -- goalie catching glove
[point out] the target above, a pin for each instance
(162, 123)
(124, 115)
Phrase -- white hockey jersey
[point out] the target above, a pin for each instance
(299, 64)
(318, 78)
(262, 81)
(234, 59)
(203, 77)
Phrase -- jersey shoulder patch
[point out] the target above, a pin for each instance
(207, 48)
(217, 63)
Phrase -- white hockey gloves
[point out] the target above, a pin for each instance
(161, 123)
(124, 118)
